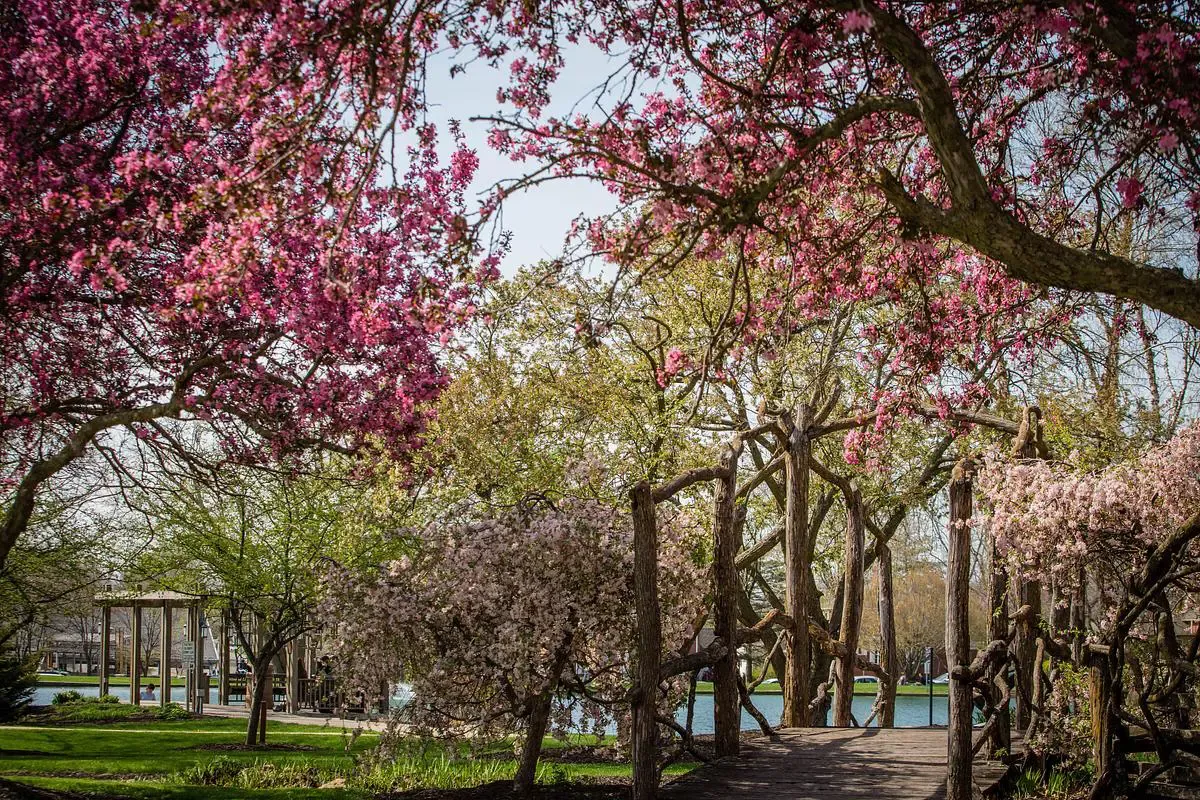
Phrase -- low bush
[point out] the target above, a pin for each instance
(434, 771)
(172, 711)
(66, 698)
(228, 772)
(221, 771)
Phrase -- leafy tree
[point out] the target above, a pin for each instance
(979, 141)
(192, 233)
(18, 679)
(254, 546)
(512, 623)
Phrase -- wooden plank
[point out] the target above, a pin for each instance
(827, 764)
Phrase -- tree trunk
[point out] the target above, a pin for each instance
(1099, 697)
(887, 637)
(1001, 735)
(539, 719)
(726, 699)
(1029, 593)
(958, 637)
(645, 584)
(265, 702)
(796, 691)
(851, 607)
(255, 726)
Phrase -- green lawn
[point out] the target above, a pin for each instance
(162, 759)
(939, 689)
(138, 759)
(94, 680)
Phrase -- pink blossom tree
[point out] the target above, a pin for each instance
(1130, 531)
(860, 147)
(518, 622)
(203, 222)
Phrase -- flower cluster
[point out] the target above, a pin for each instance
(486, 616)
(1051, 520)
(192, 229)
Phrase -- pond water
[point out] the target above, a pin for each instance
(911, 711)
(42, 695)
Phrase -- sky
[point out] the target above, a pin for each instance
(538, 219)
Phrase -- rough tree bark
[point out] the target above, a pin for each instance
(260, 693)
(726, 698)
(958, 637)
(649, 628)
(1001, 735)
(1028, 592)
(887, 637)
(851, 606)
(531, 750)
(796, 690)
(973, 216)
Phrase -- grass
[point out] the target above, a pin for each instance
(939, 689)
(167, 759)
(142, 759)
(94, 680)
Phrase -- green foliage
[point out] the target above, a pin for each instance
(258, 774)
(108, 699)
(444, 770)
(17, 681)
(220, 771)
(1051, 784)
(67, 697)
(172, 711)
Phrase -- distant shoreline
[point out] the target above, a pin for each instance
(860, 689)
(67, 681)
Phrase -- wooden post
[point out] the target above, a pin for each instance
(1029, 593)
(796, 685)
(268, 697)
(727, 701)
(958, 636)
(135, 658)
(164, 656)
(888, 657)
(851, 606)
(223, 661)
(1001, 736)
(649, 648)
(293, 677)
(189, 682)
(105, 637)
(200, 690)
(1100, 696)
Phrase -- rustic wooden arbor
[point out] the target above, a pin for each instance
(792, 434)
(166, 602)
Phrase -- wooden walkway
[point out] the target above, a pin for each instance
(827, 764)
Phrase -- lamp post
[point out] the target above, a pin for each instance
(929, 680)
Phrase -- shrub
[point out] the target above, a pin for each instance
(108, 699)
(440, 770)
(92, 710)
(226, 771)
(17, 680)
(172, 711)
(66, 698)
(221, 771)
